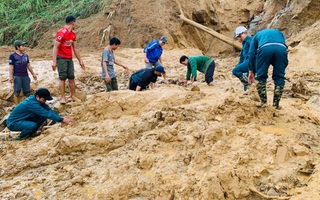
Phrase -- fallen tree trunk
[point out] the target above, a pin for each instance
(208, 30)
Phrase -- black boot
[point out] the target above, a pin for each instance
(278, 90)
(244, 81)
(262, 91)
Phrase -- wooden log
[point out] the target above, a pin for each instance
(208, 30)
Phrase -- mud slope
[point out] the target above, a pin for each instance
(170, 142)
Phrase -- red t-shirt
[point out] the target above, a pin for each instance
(65, 38)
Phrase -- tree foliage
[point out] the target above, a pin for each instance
(29, 19)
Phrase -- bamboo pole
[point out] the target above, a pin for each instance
(208, 30)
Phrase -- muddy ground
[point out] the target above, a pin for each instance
(171, 142)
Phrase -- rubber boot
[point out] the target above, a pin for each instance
(278, 90)
(262, 91)
(244, 81)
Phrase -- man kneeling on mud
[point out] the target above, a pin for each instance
(200, 63)
(31, 113)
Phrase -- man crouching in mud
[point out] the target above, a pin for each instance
(203, 64)
(31, 113)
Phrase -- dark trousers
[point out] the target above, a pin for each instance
(210, 72)
(132, 85)
(274, 55)
(112, 85)
(27, 128)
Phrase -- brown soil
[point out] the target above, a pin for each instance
(171, 142)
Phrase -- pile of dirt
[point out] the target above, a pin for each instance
(171, 142)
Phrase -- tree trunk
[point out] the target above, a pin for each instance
(208, 30)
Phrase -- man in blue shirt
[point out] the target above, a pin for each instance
(153, 53)
(268, 47)
(143, 77)
(31, 113)
(243, 65)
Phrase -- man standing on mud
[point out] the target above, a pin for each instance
(107, 64)
(62, 57)
(203, 64)
(153, 53)
(268, 47)
(242, 68)
(18, 71)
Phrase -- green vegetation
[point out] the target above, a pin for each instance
(29, 19)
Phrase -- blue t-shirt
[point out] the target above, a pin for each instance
(20, 64)
(154, 51)
(107, 56)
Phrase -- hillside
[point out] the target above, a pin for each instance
(171, 142)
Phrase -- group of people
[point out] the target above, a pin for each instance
(265, 48)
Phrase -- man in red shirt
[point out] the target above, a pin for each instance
(62, 57)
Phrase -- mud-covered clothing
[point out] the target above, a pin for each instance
(142, 78)
(267, 48)
(19, 63)
(243, 64)
(153, 51)
(200, 63)
(66, 39)
(27, 115)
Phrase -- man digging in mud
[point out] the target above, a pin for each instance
(143, 77)
(62, 57)
(242, 68)
(31, 113)
(203, 64)
(268, 47)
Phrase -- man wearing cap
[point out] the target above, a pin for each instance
(242, 68)
(153, 52)
(31, 113)
(19, 65)
(62, 57)
(268, 47)
(203, 64)
(143, 77)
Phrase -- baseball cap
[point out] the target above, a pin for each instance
(19, 43)
(160, 69)
(43, 92)
(164, 39)
(239, 31)
(70, 18)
